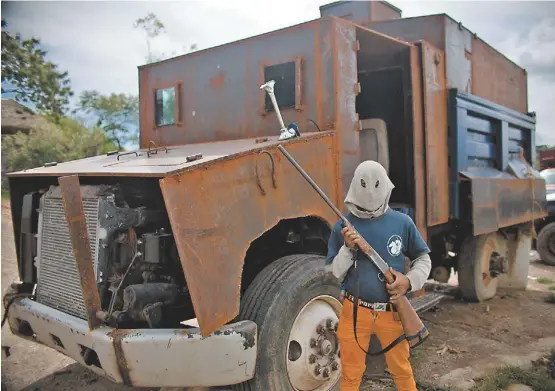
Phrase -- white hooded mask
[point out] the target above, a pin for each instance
(370, 189)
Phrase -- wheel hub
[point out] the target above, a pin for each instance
(313, 356)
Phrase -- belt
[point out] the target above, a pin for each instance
(381, 307)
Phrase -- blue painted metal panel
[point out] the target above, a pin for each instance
(484, 134)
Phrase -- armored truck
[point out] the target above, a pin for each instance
(198, 259)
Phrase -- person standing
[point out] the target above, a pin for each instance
(393, 235)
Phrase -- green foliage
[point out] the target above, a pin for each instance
(116, 114)
(535, 378)
(544, 280)
(67, 140)
(31, 77)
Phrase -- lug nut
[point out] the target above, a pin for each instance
(313, 343)
(312, 359)
(334, 366)
(320, 329)
(318, 370)
(326, 373)
(330, 324)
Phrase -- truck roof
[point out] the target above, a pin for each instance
(158, 162)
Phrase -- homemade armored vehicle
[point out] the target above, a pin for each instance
(208, 221)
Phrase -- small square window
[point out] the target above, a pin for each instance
(165, 106)
(285, 88)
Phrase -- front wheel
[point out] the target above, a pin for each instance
(294, 302)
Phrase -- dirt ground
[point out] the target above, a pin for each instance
(466, 339)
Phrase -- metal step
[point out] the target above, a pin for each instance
(427, 301)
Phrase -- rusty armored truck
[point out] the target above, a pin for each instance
(119, 254)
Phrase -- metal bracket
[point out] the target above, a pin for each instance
(258, 182)
(155, 150)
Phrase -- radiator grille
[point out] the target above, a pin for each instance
(59, 284)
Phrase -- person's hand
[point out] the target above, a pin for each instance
(399, 287)
(351, 238)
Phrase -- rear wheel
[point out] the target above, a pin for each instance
(546, 244)
(477, 263)
(294, 302)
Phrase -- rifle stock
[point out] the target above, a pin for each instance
(414, 329)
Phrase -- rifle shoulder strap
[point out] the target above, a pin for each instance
(398, 340)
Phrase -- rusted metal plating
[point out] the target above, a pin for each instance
(77, 225)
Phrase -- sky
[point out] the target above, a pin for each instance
(97, 44)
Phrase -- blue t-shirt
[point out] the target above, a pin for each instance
(393, 235)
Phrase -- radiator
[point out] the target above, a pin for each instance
(58, 281)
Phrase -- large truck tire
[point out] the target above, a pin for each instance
(475, 280)
(294, 302)
(545, 244)
(518, 255)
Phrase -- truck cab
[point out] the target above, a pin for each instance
(198, 259)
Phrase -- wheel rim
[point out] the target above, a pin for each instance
(313, 362)
(485, 262)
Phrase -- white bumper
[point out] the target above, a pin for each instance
(143, 357)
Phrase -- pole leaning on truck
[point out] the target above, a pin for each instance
(414, 329)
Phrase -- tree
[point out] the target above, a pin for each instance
(30, 77)
(64, 141)
(152, 27)
(116, 114)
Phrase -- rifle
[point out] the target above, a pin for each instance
(414, 330)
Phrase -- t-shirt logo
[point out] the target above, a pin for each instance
(394, 245)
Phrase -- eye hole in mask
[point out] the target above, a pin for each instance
(377, 183)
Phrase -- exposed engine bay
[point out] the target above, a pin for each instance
(138, 272)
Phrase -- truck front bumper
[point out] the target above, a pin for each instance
(142, 357)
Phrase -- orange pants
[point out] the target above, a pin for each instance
(353, 359)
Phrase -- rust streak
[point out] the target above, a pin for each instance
(217, 82)
(120, 355)
(337, 137)
(318, 74)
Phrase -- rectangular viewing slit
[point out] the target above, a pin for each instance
(164, 108)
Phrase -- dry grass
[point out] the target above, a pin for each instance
(544, 280)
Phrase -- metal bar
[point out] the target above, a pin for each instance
(503, 146)
(77, 226)
(368, 250)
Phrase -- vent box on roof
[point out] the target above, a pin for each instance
(361, 12)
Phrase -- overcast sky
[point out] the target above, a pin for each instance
(97, 44)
